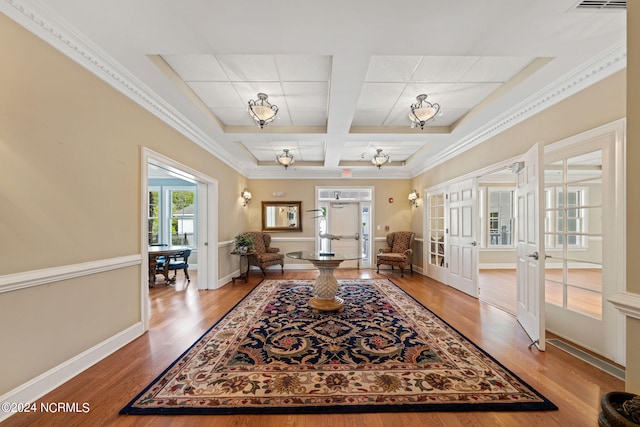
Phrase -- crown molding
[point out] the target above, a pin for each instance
(44, 24)
(590, 72)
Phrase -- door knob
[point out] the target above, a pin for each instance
(474, 243)
(533, 255)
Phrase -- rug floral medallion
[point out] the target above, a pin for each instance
(385, 352)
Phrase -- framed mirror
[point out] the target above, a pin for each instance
(281, 216)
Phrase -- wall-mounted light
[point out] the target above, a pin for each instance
(246, 196)
(413, 198)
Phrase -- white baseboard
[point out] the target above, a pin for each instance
(34, 389)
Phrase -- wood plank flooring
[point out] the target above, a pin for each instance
(181, 314)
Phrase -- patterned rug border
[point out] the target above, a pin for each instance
(544, 405)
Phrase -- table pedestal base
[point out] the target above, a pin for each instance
(326, 287)
(335, 304)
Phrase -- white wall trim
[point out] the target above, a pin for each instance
(27, 279)
(627, 303)
(55, 377)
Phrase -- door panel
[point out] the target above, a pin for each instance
(463, 265)
(578, 200)
(344, 220)
(529, 248)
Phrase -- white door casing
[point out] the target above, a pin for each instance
(529, 247)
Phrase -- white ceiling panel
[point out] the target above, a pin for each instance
(233, 116)
(367, 117)
(380, 96)
(434, 69)
(308, 117)
(205, 68)
(242, 68)
(216, 94)
(306, 95)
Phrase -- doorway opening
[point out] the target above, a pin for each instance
(346, 213)
(178, 208)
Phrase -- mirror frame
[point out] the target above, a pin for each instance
(265, 205)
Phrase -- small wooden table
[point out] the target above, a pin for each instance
(162, 251)
(326, 285)
(243, 275)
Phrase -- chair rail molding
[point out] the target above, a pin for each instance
(626, 303)
(27, 279)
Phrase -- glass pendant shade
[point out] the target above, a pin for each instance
(422, 111)
(261, 110)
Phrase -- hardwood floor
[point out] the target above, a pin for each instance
(181, 314)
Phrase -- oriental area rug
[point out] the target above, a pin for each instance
(385, 352)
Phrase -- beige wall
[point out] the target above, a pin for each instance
(633, 190)
(397, 215)
(70, 192)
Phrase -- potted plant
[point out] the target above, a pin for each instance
(243, 243)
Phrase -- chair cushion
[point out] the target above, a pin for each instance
(267, 256)
(392, 257)
(401, 242)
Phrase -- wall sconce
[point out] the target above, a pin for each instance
(246, 196)
(413, 198)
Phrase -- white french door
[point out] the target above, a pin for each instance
(582, 210)
(463, 246)
(529, 247)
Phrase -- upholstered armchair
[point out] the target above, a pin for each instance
(398, 252)
(264, 255)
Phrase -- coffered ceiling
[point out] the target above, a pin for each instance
(342, 73)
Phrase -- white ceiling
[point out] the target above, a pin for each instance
(342, 73)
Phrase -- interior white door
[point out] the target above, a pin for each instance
(463, 261)
(344, 222)
(529, 247)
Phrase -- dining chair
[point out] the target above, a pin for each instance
(180, 261)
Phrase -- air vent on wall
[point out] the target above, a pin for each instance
(602, 5)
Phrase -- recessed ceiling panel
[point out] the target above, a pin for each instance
(380, 96)
(216, 94)
(205, 68)
(443, 68)
(243, 68)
